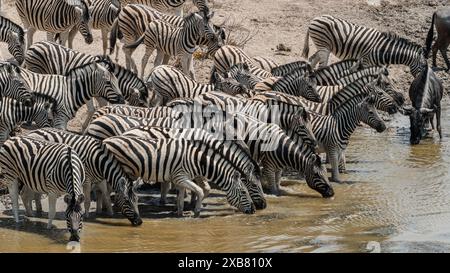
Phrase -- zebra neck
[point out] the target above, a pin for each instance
(347, 119)
(81, 91)
(188, 39)
(57, 18)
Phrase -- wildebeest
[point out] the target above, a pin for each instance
(425, 93)
(441, 19)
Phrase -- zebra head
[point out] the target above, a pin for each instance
(13, 85)
(107, 85)
(316, 176)
(417, 118)
(217, 41)
(301, 126)
(127, 200)
(82, 11)
(382, 100)
(369, 115)
(229, 85)
(306, 87)
(385, 83)
(238, 195)
(241, 72)
(74, 215)
(42, 114)
(16, 45)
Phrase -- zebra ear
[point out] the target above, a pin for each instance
(67, 198)
(80, 199)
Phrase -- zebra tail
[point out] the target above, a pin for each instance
(136, 43)
(115, 33)
(305, 52)
(429, 39)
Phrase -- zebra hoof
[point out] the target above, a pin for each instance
(196, 214)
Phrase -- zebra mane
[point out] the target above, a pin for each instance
(347, 93)
(344, 106)
(82, 66)
(5, 22)
(394, 36)
(46, 98)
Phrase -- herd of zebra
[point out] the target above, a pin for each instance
(253, 120)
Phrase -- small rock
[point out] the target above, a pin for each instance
(282, 47)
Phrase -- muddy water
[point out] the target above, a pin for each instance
(396, 195)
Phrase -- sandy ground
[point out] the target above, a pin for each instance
(285, 22)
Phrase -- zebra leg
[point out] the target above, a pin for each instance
(27, 196)
(187, 65)
(165, 188)
(13, 189)
(51, 209)
(186, 183)
(334, 161)
(130, 64)
(166, 59)
(159, 60)
(30, 33)
(180, 201)
(148, 53)
(321, 57)
(87, 187)
(269, 177)
(71, 36)
(38, 203)
(90, 112)
(203, 183)
(342, 163)
(105, 41)
(105, 197)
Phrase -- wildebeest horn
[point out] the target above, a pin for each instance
(426, 110)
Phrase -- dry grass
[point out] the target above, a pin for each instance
(237, 34)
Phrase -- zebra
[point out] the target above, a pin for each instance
(265, 63)
(285, 69)
(126, 110)
(51, 58)
(275, 151)
(169, 83)
(235, 151)
(100, 166)
(132, 23)
(174, 41)
(304, 86)
(49, 168)
(369, 46)
(13, 34)
(102, 16)
(179, 161)
(13, 85)
(164, 5)
(241, 73)
(75, 89)
(228, 55)
(14, 112)
(55, 17)
(333, 131)
(111, 125)
(267, 110)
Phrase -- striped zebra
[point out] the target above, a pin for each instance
(133, 21)
(174, 41)
(165, 5)
(51, 58)
(179, 161)
(271, 146)
(56, 17)
(111, 125)
(12, 84)
(333, 131)
(235, 151)
(369, 46)
(228, 55)
(14, 112)
(49, 168)
(74, 90)
(100, 166)
(169, 83)
(102, 16)
(286, 69)
(241, 73)
(142, 112)
(293, 84)
(268, 111)
(13, 34)
(265, 63)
